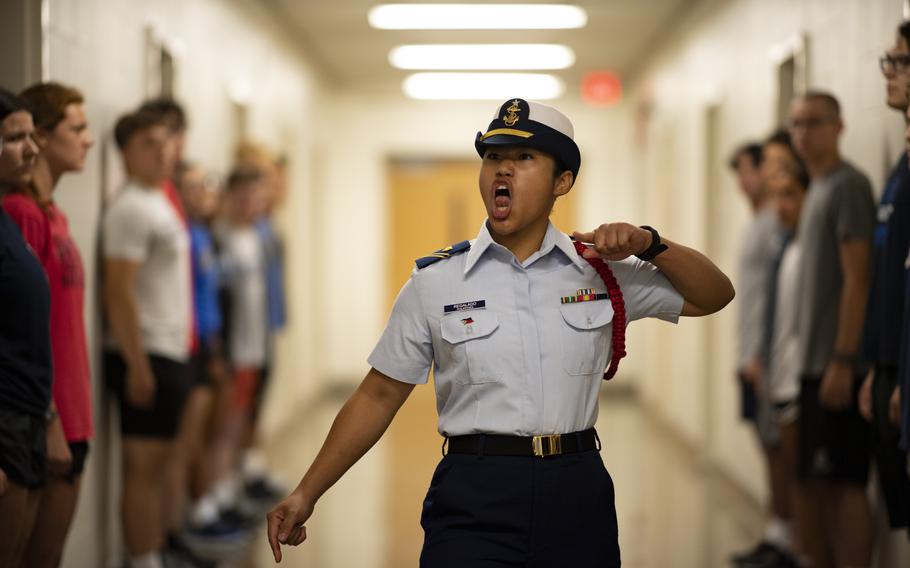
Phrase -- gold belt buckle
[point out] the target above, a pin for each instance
(553, 445)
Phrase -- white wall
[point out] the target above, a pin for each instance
(98, 46)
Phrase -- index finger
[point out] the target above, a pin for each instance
(584, 237)
(274, 523)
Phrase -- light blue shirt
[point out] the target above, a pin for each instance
(508, 356)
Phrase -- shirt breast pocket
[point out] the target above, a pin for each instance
(471, 334)
(585, 336)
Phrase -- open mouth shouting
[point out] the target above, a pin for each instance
(502, 200)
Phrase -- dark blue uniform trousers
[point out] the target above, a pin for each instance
(498, 511)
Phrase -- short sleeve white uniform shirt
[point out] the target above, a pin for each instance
(508, 356)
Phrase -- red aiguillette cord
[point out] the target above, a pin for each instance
(619, 309)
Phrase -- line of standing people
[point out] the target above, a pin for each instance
(821, 339)
(183, 310)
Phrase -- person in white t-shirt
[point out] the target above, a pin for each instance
(787, 184)
(241, 260)
(147, 299)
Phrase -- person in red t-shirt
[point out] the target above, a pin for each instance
(63, 137)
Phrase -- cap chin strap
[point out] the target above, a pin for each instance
(619, 309)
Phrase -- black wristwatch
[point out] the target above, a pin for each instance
(656, 247)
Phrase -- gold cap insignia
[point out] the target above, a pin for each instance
(511, 119)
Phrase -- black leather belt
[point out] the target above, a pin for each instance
(539, 446)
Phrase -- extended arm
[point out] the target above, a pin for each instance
(359, 425)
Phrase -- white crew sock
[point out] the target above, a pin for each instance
(779, 533)
(226, 491)
(205, 510)
(148, 560)
(254, 464)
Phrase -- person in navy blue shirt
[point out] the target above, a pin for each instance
(25, 347)
(885, 308)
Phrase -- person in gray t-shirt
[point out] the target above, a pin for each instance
(835, 231)
(755, 257)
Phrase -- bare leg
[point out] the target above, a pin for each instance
(55, 514)
(851, 527)
(779, 477)
(189, 446)
(812, 524)
(233, 432)
(18, 508)
(788, 460)
(144, 464)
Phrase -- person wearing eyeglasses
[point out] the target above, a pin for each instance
(880, 395)
(25, 347)
(835, 235)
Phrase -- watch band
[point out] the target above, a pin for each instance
(656, 247)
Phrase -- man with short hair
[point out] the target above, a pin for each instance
(148, 301)
(835, 235)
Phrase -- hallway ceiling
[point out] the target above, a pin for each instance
(352, 55)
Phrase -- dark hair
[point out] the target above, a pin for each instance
(800, 173)
(903, 32)
(131, 123)
(751, 149)
(825, 98)
(48, 102)
(170, 110)
(243, 175)
(10, 103)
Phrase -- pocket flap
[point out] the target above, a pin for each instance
(471, 324)
(587, 315)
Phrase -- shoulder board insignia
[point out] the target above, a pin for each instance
(441, 254)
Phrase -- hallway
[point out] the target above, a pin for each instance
(312, 84)
(673, 511)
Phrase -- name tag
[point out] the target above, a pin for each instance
(465, 306)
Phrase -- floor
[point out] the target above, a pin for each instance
(673, 511)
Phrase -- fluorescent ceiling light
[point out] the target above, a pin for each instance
(514, 56)
(482, 86)
(477, 16)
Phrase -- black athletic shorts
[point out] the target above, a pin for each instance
(748, 402)
(833, 445)
(200, 365)
(172, 385)
(23, 448)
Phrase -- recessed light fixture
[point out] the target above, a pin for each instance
(513, 56)
(477, 16)
(482, 86)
